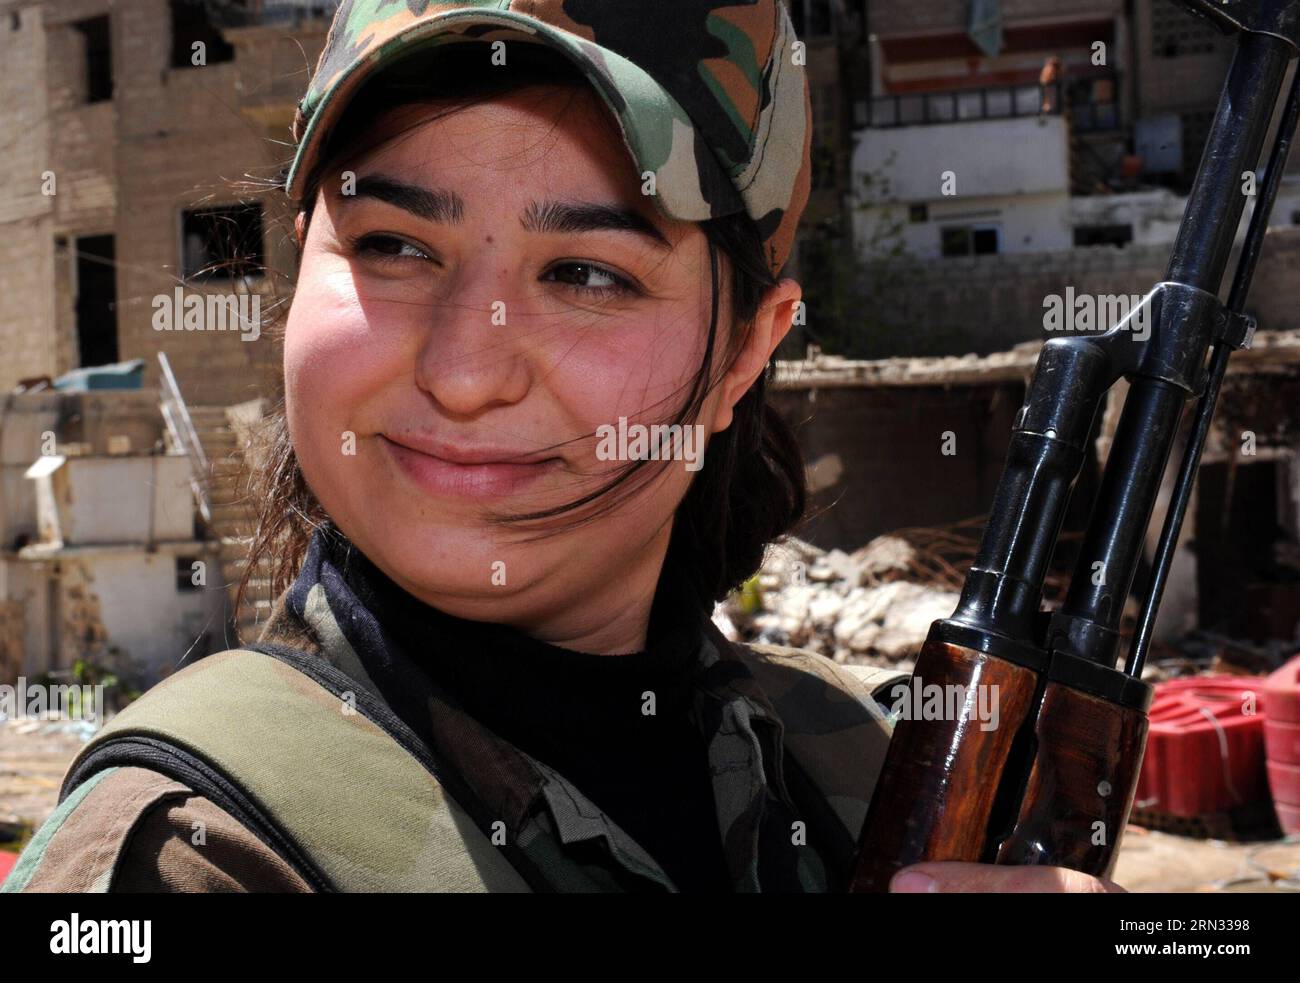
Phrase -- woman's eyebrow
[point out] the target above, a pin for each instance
(447, 207)
(431, 204)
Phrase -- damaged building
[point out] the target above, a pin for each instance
(142, 143)
(106, 559)
(904, 456)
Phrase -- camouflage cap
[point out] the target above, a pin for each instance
(710, 95)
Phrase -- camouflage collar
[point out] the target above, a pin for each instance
(539, 808)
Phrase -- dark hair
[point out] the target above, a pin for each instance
(751, 488)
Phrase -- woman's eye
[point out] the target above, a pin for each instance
(590, 279)
(587, 279)
(387, 247)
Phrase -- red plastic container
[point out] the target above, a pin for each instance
(1205, 749)
(7, 861)
(1282, 743)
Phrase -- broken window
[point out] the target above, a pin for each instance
(969, 240)
(222, 242)
(96, 286)
(97, 45)
(1103, 235)
(196, 39)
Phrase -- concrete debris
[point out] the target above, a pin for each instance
(822, 371)
(852, 607)
(35, 753)
(885, 556)
(48, 723)
(819, 370)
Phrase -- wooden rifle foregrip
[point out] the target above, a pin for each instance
(1069, 780)
(1081, 785)
(936, 789)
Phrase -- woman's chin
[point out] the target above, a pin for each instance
(456, 570)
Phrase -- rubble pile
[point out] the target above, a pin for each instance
(873, 605)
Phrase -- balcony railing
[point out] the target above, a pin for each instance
(1080, 96)
(281, 11)
(247, 13)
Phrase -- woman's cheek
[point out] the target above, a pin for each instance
(334, 356)
(328, 368)
(636, 370)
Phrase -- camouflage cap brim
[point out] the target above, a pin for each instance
(710, 96)
(689, 184)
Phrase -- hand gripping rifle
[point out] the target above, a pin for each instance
(1054, 781)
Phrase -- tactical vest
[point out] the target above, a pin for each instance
(266, 733)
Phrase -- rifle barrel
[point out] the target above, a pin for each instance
(1214, 380)
(1153, 409)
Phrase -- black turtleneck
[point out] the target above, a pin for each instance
(582, 714)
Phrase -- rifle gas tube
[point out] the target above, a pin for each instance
(1054, 781)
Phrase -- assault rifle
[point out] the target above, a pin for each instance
(1054, 782)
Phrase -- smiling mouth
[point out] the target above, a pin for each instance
(466, 473)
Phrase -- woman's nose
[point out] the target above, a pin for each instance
(474, 354)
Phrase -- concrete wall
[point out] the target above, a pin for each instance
(1153, 215)
(128, 601)
(988, 158)
(128, 500)
(879, 455)
(118, 607)
(1025, 224)
(986, 304)
(90, 419)
(1013, 174)
(24, 618)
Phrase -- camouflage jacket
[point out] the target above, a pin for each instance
(795, 743)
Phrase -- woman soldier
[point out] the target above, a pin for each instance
(524, 226)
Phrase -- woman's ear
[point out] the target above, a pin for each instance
(300, 229)
(771, 325)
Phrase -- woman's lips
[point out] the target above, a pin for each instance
(465, 478)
